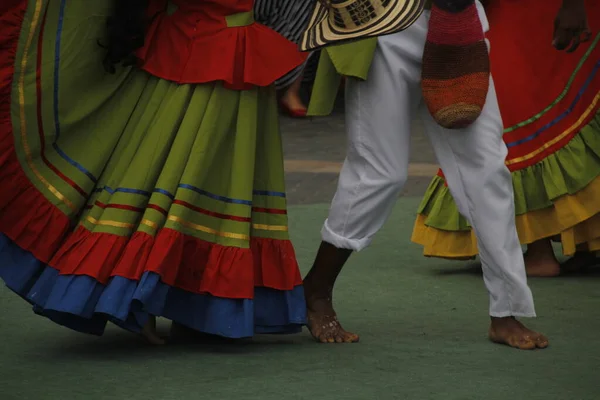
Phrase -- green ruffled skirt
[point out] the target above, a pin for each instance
(126, 195)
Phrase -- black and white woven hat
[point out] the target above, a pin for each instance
(339, 21)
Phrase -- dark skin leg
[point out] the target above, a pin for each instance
(318, 288)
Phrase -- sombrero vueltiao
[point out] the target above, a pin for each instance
(339, 21)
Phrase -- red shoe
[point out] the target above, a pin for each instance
(293, 112)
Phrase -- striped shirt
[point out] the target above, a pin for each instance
(289, 18)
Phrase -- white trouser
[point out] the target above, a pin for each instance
(379, 112)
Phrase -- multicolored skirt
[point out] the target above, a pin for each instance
(124, 196)
(549, 102)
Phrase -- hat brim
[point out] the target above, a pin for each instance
(397, 17)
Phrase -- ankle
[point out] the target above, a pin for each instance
(502, 319)
(317, 293)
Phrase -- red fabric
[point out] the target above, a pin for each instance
(24, 211)
(194, 45)
(182, 261)
(34, 224)
(11, 7)
(531, 75)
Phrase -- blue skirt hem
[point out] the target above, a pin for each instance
(81, 303)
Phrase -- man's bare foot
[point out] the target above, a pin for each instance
(324, 325)
(540, 261)
(149, 332)
(512, 333)
(318, 290)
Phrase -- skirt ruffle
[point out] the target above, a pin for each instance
(550, 104)
(140, 196)
(81, 303)
(556, 197)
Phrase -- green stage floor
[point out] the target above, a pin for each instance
(423, 325)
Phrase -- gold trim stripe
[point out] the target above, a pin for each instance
(114, 224)
(187, 224)
(206, 229)
(21, 89)
(263, 227)
(153, 225)
(560, 137)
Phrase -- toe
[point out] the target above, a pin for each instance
(523, 343)
(327, 338)
(351, 338)
(323, 336)
(542, 342)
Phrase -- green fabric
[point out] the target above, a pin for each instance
(240, 19)
(134, 131)
(422, 321)
(351, 59)
(564, 172)
(81, 35)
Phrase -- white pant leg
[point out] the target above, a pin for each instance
(473, 163)
(379, 112)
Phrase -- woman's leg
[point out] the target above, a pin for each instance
(540, 260)
(149, 332)
(291, 101)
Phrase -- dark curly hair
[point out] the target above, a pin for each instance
(126, 31)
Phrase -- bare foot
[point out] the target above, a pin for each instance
(324, 325)
(540, 261)
(149, 332)
(512, 333)
(540, 267)
(318, 288)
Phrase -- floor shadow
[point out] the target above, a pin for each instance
(125, 346)
(472, 268)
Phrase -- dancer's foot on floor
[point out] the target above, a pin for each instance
(149, 332)
(324, 325)
(318, 288)
(538, 266)
(512, 333)
(540, 261)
